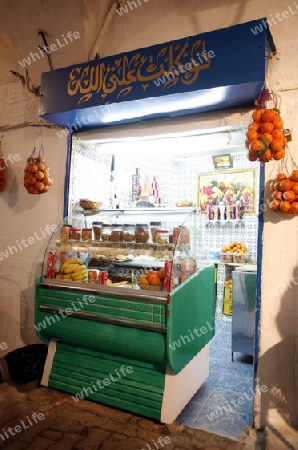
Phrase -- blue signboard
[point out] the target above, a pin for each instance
(213, 70)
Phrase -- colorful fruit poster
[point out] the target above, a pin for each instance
(229, 187)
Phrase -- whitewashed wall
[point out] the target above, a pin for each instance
(153, 22)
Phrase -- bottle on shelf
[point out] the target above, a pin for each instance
(222, 208)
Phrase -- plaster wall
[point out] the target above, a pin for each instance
(148, 23)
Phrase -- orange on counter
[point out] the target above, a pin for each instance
(150, 280)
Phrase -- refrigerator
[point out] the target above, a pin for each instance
(244, 311)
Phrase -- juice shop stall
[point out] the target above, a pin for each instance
(126, 299)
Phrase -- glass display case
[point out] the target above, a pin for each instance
(150, 249)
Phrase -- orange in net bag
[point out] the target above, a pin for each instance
(266, 138)
(284, 187)
(37, 178)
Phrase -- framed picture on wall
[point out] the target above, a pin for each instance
(228, 186)
(222, 161)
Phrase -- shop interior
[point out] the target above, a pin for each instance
(136, 165)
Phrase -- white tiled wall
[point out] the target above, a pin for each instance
(176, 180)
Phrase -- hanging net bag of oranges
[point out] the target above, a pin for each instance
(2, 166)
(37, 178)
(266, 138)
(284, 187)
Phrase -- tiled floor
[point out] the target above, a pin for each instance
(223, 405)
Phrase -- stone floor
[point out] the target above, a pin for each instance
(38, 418)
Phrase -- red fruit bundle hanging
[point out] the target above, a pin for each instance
(37, 178)
(284, 193)
(266, 138)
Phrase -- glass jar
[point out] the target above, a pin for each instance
(176, 232)
(64, 232)
(86, 234)
(75, 234)
(106, 232)
(162, 236)
(128, 232)
(184, 236)
(97, 226)
(153, 227)
(116, 235)
(141, 233)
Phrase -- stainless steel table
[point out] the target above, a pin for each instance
(244, 311)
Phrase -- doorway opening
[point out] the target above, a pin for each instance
(179, 163)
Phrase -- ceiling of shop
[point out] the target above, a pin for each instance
(175, 146)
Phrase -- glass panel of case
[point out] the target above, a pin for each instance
(152, 249)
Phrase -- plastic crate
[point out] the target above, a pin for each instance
(227, 307)
(228, 293)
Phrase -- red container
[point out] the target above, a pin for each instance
(51, 272)
(103, 277)
(176, 232)
(63, 257)
(168, 268)
(92, 276)
(51, 261)
(169, 284)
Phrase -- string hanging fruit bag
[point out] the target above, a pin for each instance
(284, 187)
(37, 178)
(2, 167)
(266, 138)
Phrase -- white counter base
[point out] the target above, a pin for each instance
(181, 387)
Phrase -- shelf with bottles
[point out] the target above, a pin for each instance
(136, 211)
(222, 213)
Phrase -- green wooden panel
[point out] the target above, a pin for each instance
(136, 316)
(116, 339)
(191, 318)
(78, 370)
(133, 342)
(131, 310)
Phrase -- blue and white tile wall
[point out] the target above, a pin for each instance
(177, 181)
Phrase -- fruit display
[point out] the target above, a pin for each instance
(284, 193)
(265, 138)
(235, 247)
(221, 188)
(185, 203)
(37, 176)
(235, 252)
(73, 270)
(152, 280)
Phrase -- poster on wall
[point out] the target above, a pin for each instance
(229, 186)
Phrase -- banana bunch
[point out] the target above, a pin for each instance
(73, 270)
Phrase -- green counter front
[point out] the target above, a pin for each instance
(132, 349)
